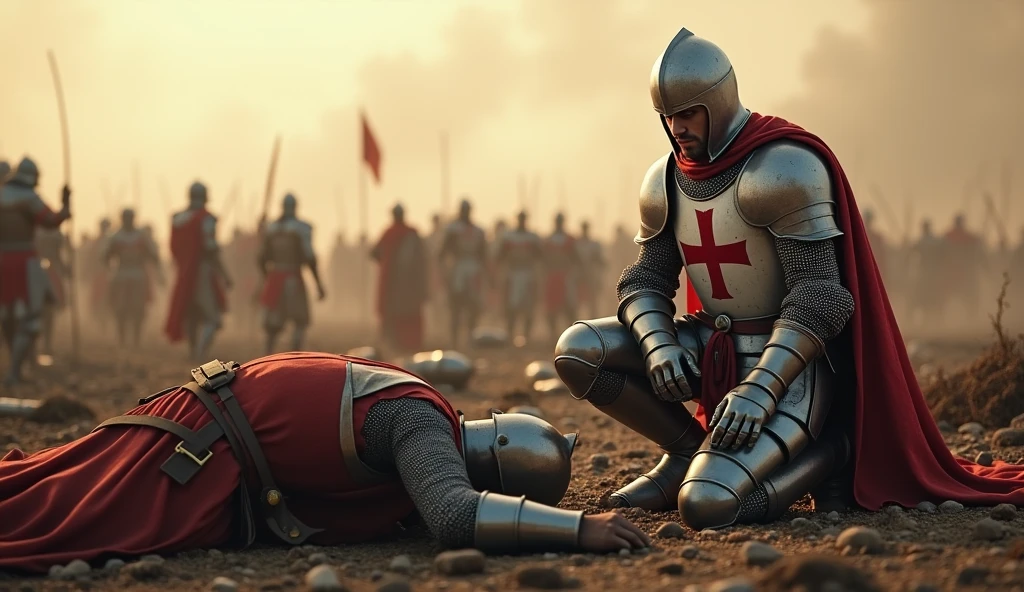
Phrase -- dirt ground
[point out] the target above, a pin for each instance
(919, 550)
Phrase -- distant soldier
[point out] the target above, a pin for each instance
(927, 290)
(965, 253)
(24, 286)
(436, 305)
(463, 258)
(96, 276)
(338, 268)
(402, 277)
(131, 289)
(244, 247)
(287, 247)
(519, 258)
(591, 273)
(55, 256)
(561, 263)
(198, 300)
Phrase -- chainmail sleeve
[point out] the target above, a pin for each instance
(657, 268)
(412, 437)
(817, 298)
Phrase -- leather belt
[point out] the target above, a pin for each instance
(725, 324)
(192, 453)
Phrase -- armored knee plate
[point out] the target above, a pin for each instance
(579, 354)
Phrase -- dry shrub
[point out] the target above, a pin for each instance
(991, 389)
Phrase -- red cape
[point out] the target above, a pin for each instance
(386, 249)
(187, 251)
(899, 454)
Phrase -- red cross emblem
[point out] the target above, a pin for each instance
(714, 255)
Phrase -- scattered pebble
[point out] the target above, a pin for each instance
(317, 558)
(894, 510)
(323, 579)
(401, 564)
(543, 578)
(927, 507)
(984, 459)
(737, 537)
(222, 584)
(461, 562)
(972, 575)
(217, 554)
(924, 587)
(55, 571)
(972, 428)
(638, 453)
(818, 572)
(1008, 437)
(624, 553)
(609, 446)
(1004, 512)
(803, 524)
(670, 530)
(861, 540)
(376, 575)
(689, 552)
(737, 584)
(145, 570)
(300, 565)
(74, 569)
(152, 558)
(113, 564)
(599, 462)
(988, 529)
(950, 506)
(582, 560)
(833, 516)
(760, 554)
(394, 585)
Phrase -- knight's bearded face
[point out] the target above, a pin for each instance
(689, 128)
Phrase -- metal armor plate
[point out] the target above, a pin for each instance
(288, 244)
(655, 194)
(19, 206)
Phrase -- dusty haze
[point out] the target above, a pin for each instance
(913, 96)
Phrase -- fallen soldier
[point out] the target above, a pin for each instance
(296, 447)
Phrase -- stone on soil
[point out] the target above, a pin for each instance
(145, 570)
(805, 525)
(737, 584)
(671, 568)
(972, 575)
(609, 446)
(670, 530)
(113, 564)
(861, 539)
(541, 578)
(927, 507)
(689, 552)
(401, 564)
(1008, 437)
(460, 562)
(950, 506)
(317, 558)
(74, 569)
(760, 554)
(222, 584)
(988, 529)
(816, 572)
(972, 428)
(323, 579)
(1004, 512)
(984, 459)
(394, 585)
(599, 462)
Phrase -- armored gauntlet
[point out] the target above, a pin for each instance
(648, 315)
(790, 349)
(506, 524)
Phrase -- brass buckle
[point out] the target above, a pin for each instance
(180, 449)
(214, 374)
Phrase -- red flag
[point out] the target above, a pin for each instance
(371, 152)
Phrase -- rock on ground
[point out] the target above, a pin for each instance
(461, 562)
(1004, 512)
(816, 572)
(222, 584)
(540, 577)
(323, 579)
(759, 554)
(988, 529)
(401, 564)
(861, 540)
(670, 530)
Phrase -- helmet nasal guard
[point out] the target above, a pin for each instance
(693, 71)
(517, 454)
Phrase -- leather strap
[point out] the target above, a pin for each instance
(741, 327)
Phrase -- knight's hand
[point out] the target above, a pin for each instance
(737, 421)
(665, 369)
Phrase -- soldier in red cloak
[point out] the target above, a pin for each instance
(198, 298)
(800, 373)
(562, 264)
(230, 458)
(25, 289)
(402, 279)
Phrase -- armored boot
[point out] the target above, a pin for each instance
(21, 345)
(671, 427)
(836, 492)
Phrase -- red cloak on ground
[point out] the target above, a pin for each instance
(104, 494)
(899, 455)
(187, 251)
(401, 289)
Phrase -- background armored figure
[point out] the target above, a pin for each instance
(519, 257)
(94, 275)
(131, 282)
(54, 250)
(402, 281)
(25, 288)
(562, 265)
(591, 272)
(463, 259)
(198, 299)
(286, 248)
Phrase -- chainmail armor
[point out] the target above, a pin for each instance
(657, 268)
(412, 437)
(754, 507)
(606, 388)
(816, 299)
(708, 188)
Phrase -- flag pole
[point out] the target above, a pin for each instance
(445, 175)
(364, 224)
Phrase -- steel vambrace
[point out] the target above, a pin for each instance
(506, 524)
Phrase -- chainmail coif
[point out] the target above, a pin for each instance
(412, 437)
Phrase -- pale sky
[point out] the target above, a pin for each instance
(198, 89)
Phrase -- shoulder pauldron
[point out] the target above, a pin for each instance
(654, 198)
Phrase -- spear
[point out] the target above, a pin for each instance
(66, 144)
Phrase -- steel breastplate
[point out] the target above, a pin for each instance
(733, 266)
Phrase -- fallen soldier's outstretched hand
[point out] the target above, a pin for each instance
(611, 531)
